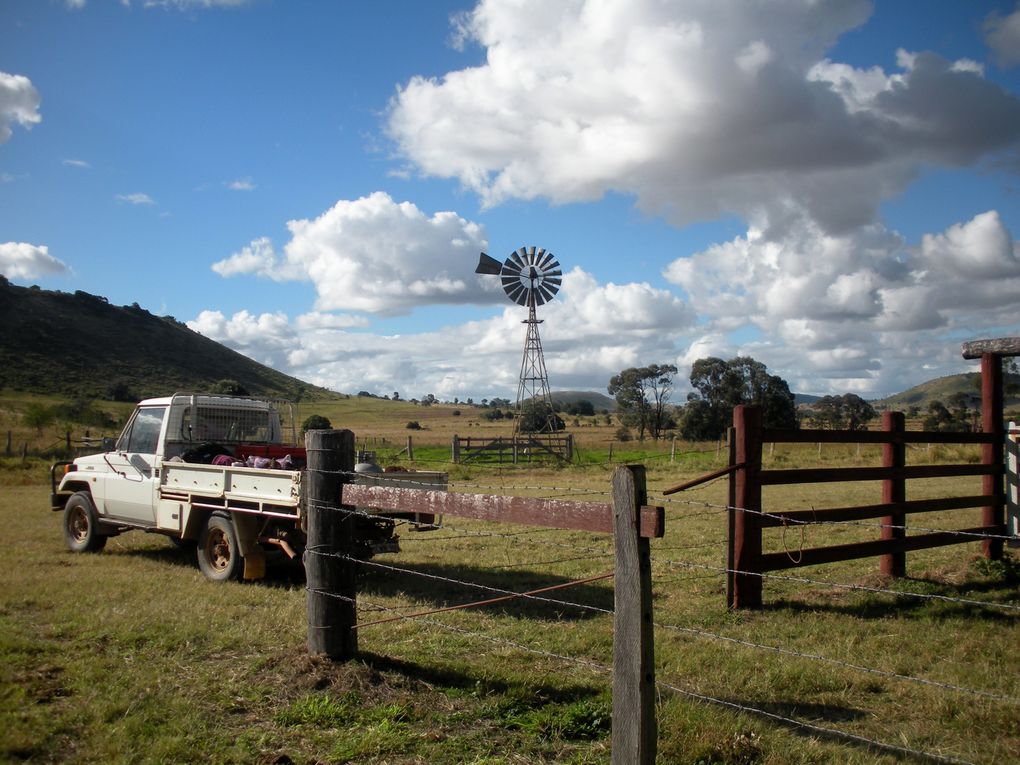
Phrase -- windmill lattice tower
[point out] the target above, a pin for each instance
(531, 277)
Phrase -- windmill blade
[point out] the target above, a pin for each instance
(552, 286)
(515, 262)
(547, 262)
(487, 265)
(547, 292)
(517, 293)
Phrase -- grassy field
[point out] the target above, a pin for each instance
(131, 656)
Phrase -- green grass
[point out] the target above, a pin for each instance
(131, 656)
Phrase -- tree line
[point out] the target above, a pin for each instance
(642, 398)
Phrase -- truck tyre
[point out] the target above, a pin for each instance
(81, 528)
(219, 557)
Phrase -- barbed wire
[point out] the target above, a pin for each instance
(464, 583)
(828, 732)
(685, 630)
(605, 669)
(837, 662)
(812, 522)
(785, 521)
(842, 585)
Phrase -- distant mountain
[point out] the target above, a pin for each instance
(599, 401)
(941, 388)
(79, 344)
(804, 398)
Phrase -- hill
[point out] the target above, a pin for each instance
(942, 388)
(78, 344)
(598, 400)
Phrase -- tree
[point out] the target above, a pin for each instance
(583, 408)
(316, 422)
(642, 394)
(38, 416)
(538, 417)
(120, 391)
(721, 385)
(229, 388)
(857, 412)
(940, 418)
(846, 412)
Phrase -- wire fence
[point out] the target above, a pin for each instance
(547, 548)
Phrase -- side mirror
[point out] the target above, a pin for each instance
(109, 443)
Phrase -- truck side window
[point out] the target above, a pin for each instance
(145, 430)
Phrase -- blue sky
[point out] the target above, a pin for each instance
(830, 187)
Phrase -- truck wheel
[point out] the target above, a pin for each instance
(81, 529)
(218, 555)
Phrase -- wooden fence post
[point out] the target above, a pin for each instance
(332, 612)
(746, 540)
(731, 518)
(7, 451)
(455, 449)
(634, 736)
(410, 449)
(894, 491)
(993, 454)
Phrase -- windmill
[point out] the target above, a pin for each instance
(531, 277)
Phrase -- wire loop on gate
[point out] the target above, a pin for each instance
(800, 552)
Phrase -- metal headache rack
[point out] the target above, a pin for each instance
(197, 419)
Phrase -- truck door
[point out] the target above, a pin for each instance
(132, 485)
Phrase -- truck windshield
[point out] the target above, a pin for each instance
(142, 434)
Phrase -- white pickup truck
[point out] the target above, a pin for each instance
(212, 472)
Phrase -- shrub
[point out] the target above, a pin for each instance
(316, 422)
(413, 425)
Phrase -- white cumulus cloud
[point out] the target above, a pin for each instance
(20, 260)
(19, 104)
(373, 254)
(698, 109)
(1002, 33)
